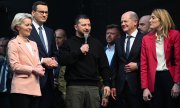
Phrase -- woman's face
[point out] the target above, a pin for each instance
(154, 22)
(25, 27)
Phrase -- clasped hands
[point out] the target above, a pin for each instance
(39, 70)
(50, 62)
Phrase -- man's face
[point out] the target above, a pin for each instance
(3, 45)
(60, 38)
(83, 27)
(111, 35)
(144, 25)
(128, 25)
(41, 14)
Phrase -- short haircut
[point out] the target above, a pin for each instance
(81, 16)
(110, 26)
(35, 4)
(18, 18)
(133, 15)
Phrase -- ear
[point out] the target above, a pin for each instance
(75, 27)
(136, 22)
(33, 12)
(17, 28)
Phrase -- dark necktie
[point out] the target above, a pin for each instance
(128, 46)
(42, 38)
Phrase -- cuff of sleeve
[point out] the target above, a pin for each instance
(41, 60)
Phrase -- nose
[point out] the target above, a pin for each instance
(30, 27)
(150, 20)
(139, 26)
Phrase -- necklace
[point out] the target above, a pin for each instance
(159, 39)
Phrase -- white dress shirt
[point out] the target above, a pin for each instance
(110, 52)
(43, 32)
(131, 40)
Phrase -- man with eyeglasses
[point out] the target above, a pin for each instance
(44, 37)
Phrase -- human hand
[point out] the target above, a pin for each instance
(113, 93)
(107, 91)
(104, 101)
(39, 70)
(147, 95)
(132, 66)
(175, 90)
(84, 48)
(50, 62)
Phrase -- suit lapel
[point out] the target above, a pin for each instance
(152, 43)
(48, 38)
(122, 46)
(37, 38)
(136, 43)
(22, 45)
(165, 44)
(35, 51)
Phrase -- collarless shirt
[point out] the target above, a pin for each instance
(160, 55)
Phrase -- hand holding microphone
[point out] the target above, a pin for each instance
(86, 35)
(85, 47)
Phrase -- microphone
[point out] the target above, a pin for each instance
(86, 35)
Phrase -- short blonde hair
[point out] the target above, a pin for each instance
(165, 19)
(18, 18)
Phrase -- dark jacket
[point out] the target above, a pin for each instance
(84, 69)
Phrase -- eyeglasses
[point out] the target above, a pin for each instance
(43, 12)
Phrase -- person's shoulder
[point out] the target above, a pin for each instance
(174, 34)
(69, 41)
(96, 41)
(12, 41)
(148, 36)
(47, 28)
(173, 31)
(93, 39)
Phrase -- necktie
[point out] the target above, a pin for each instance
(128, 46)
(42, 38)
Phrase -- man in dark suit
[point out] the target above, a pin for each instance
(44, 37)
(126, 79)
(112, 34)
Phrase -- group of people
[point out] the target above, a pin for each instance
(141, 66)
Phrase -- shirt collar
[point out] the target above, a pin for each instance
(133, 34)
(37, 26)
(110, 47)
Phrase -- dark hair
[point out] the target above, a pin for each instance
(35, 4)
(81, 16)
(110, 26)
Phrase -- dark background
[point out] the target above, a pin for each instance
(102, 12)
